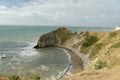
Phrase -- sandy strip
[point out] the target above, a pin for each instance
(77, 63)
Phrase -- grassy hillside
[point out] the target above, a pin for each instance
(103, 50)
(104, 46)
(111, 73)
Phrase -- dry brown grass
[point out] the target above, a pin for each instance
(112, 73)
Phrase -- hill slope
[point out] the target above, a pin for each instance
(96, 50)
(103, 74)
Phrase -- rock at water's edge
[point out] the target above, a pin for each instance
(54, 38)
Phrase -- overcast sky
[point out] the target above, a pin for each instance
(60, 12)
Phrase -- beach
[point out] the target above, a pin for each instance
(16, 49)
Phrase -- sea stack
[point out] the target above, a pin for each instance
(53, 38)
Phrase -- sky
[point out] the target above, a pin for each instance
(60, 12)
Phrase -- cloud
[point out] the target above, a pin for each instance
(2, 7)
(63, 12)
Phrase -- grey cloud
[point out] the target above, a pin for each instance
(64, 12)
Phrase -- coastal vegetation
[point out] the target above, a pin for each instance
(35, 77)
(117, 45)
(112, 34)
(13, 77)
(90, 41)
(100, 64)
(102, 48)
(99, 46)
(63, 34)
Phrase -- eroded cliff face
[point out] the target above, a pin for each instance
(56, 37)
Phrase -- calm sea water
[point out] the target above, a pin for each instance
(17, 55)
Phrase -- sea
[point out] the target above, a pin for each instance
(18, 57)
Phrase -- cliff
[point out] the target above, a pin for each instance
(53, 38)
(96, 49)
(57, 38)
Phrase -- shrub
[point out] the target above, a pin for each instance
(117, 45)
(35, 77)
(100, 64)
(99, 46)
(13, 77)
(112, 34)
(90, 41)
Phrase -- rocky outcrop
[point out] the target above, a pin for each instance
(90, 47)
(47, 40)
(56, 37)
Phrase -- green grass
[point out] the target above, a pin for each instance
(90, 41)
(13, 77)
(100, 64)
(117, 45)
(112, 34)
(35, 77)
(63, 34)
(99, 46)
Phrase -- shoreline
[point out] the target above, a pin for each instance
(77, 63)
(67, 69)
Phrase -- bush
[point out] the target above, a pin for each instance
(35, 77)
(100, 64)
(112, 34)
(13, 77)
(90, 41)
(117, 45)
(99, 46)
